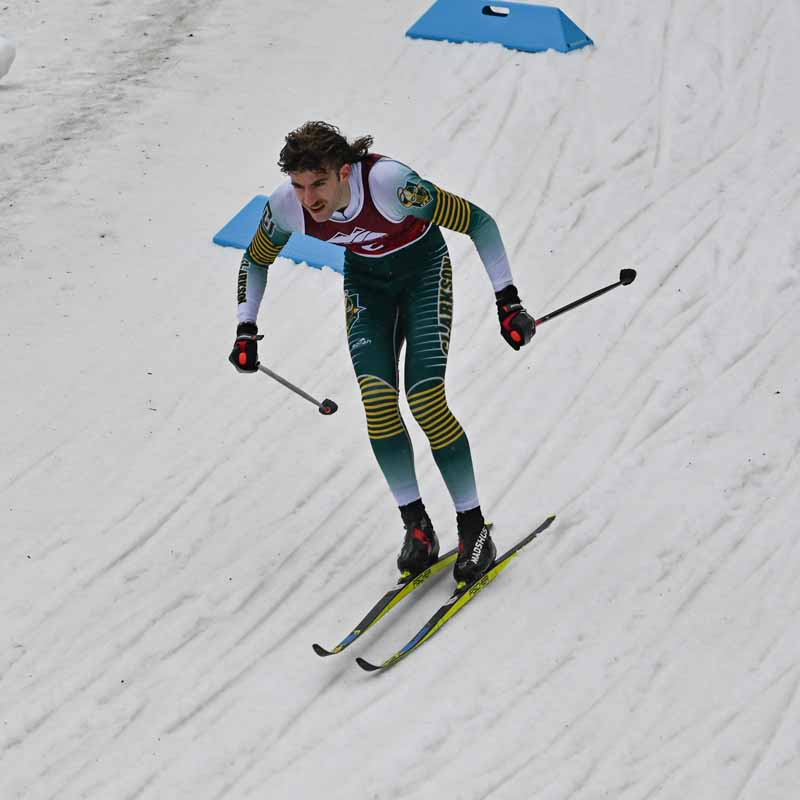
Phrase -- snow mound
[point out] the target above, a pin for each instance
(8, 51)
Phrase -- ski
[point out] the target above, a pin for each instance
(459, 598)
(399, 592)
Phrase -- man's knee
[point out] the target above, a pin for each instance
(428, 404)
(381, 406)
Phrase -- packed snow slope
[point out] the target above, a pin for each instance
(175, 535)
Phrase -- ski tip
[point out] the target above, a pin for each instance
(547, 523)
(321, 651)
(365, 665)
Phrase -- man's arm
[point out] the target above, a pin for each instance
(262, 251)
(457, 214)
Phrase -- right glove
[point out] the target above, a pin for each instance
(244, 355)
(517, 326)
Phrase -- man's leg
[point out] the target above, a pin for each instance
(374, 336)
(428, 309)
(428, 313)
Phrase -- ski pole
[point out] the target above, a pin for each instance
(626, 276)
(326, 407)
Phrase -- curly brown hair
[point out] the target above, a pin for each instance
(320, 146)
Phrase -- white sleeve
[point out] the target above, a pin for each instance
(385, 178)
(287, 213)
(251, 287)
(282, 216)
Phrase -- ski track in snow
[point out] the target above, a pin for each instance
(176, 536)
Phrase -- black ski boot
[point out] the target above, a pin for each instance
(420, 546)
(476, 550)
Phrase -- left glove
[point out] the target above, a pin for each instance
(244, 355)
(517, 326)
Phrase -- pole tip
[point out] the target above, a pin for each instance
(627, 276)
(328, 407)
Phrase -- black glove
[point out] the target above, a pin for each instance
(517, 326)
(244, 355)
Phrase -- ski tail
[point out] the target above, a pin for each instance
(388, 602)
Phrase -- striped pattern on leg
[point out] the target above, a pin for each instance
(430, 410)
(380, 401)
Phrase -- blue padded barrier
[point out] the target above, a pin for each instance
(300, 248)
(514, 25)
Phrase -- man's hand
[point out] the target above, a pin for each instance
(516, 325)
(244, 355)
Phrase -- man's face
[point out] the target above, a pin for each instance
(322, 193)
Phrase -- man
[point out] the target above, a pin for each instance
(398, 289)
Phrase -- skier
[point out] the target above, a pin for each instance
(398, 289)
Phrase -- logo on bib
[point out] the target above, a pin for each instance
(365, 240)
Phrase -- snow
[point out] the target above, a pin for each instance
(175, 535)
